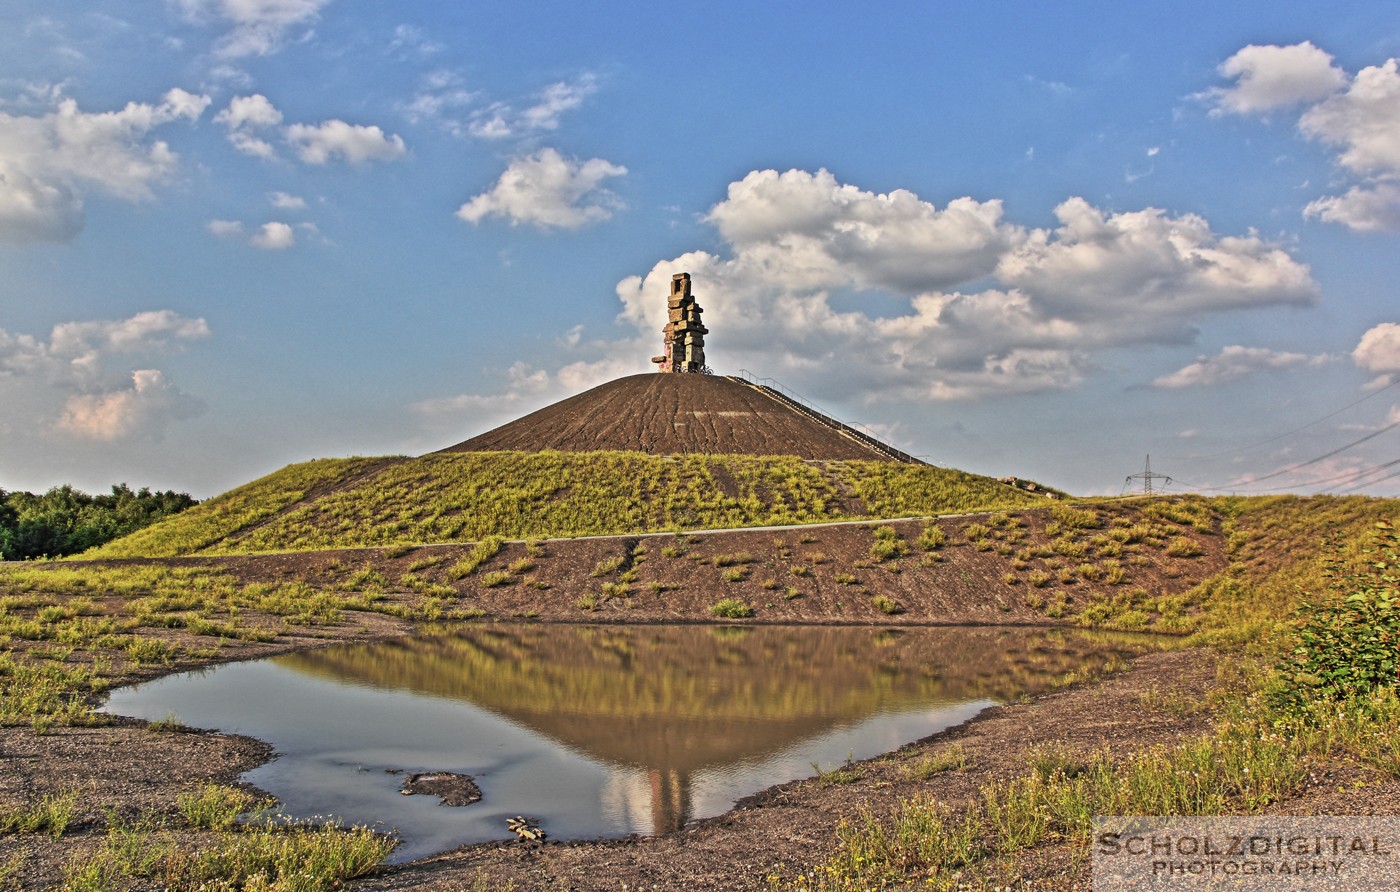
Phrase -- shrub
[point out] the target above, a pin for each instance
(495, 579)
(731, 608)
(886, 605)
(932, 538)
(608, 566)
(974, 531)
(1183, 546)
(1349, 644)
(482, 552)
(1076, 518)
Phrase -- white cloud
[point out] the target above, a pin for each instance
(859, 295)
(49, 163)
(1364, 121)
(1145, 262)
(259, 27)
(441, 94)
(549, 191)
(248, 116)
(273, 236)
(1272, 77)
(1363, 208)
(526, 388)
(1232, 363)
(142, 410)
(1358, 116)
(811, 231)
(286, 202)
(226, 228)
(352, 143)
(1378, 352)
(853, 293)
(501, 120)
(81, 375)
(411, 40)
(249, 113)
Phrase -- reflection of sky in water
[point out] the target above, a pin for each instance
(338, 740)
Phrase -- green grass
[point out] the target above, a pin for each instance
(289, 858)
(466, 497)
(49, 815)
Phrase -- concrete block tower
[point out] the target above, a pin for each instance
(684, 334)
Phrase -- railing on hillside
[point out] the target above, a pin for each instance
(860, 433)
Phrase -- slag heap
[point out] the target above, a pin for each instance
(684, 334)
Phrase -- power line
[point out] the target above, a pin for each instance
(1355, 475)
(1313, 461)
(1374, 482)
(1297, 430)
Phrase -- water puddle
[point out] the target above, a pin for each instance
(600, 731)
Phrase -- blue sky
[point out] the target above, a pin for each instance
(1016, 238)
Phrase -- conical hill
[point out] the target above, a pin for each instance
(682, 414)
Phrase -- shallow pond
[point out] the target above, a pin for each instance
(600, 730)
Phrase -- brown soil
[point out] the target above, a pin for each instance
(822, 573)
(670, 415)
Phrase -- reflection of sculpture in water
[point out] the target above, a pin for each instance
(670, 800)
(675, 700)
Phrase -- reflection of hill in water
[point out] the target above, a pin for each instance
(678, 698)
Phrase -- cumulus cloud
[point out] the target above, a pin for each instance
(1173, 268)
(273, 236)
(1363, 121)
(257, 27)
(353, 143)
(1271, 77)
(859, 295)
(49, 163)
(250, 118)
(549, 191)
(823, 279)
(1378, 352)
(503, 120)
(1363, 208)
(1357, 116)
(81, 369)
(144, 409)
(1232, 363)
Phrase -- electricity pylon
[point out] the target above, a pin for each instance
(1148, 479)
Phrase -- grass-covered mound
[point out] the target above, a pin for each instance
(456, 497)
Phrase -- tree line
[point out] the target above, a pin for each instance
(65, 520)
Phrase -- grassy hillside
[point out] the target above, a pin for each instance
(455, 497)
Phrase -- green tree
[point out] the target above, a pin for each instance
(66, 520)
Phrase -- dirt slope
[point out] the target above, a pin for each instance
(671, 415)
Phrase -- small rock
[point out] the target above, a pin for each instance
(452, 789)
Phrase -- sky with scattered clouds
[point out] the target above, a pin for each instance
(1041, 240)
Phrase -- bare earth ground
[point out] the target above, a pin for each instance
(671, 415)
(810, 574)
